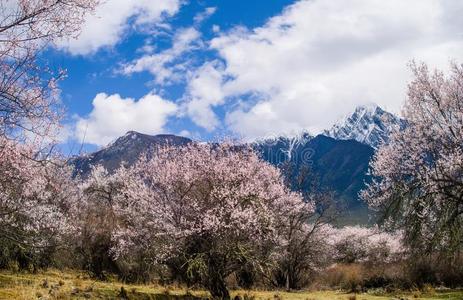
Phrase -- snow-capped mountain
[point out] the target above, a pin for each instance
(335, 165)
(338, 159)
(287, 144)
(368, 124)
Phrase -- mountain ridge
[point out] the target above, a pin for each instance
(338, 165)
(124, 150)
(368, 124)
(338, 159)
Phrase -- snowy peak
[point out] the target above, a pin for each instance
(287, 144)
(368, 124)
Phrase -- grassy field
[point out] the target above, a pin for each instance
(70, 285)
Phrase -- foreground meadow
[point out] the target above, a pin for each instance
(55, 284)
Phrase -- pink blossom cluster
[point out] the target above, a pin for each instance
(27, 25)
(36, 196)
(359, 244)
(211, 189)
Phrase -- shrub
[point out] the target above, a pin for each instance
(435, 270)
(362, 277)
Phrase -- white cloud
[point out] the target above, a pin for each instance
(112, 116)
(209, 11)
(165, 65)
(204, 91)
(106, 27)
(184, 133)
(172, 64)
(215, 28)
(318, 59)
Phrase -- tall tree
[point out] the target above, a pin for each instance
(95, 220)
(215, 206)
(33, 190)
(304, 247)
(28, 89)
(419, 175)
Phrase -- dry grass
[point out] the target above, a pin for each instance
(55, 284)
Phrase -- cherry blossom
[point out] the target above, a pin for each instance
(354, 244)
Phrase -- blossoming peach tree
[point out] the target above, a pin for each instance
(36, 201)
(419, 175)
(32, 187)
(215, 207)
(28, 88)
(357, 244)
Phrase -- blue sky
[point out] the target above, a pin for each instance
(248, 69)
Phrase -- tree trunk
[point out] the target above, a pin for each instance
(218, 288)
(287, 281)
(216, 282)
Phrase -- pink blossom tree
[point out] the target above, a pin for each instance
(94, 220)
(419, 175)
(303, 248)
(36, 199)
(355, 244)
(28, 91)
(215, 206)
(33, 188)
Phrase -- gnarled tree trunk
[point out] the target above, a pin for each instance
(216, 281)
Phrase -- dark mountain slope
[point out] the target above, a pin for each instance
(337, 165)
(125, 149)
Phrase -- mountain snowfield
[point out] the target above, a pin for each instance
(368, 124)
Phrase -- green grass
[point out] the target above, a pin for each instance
(55, 284)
